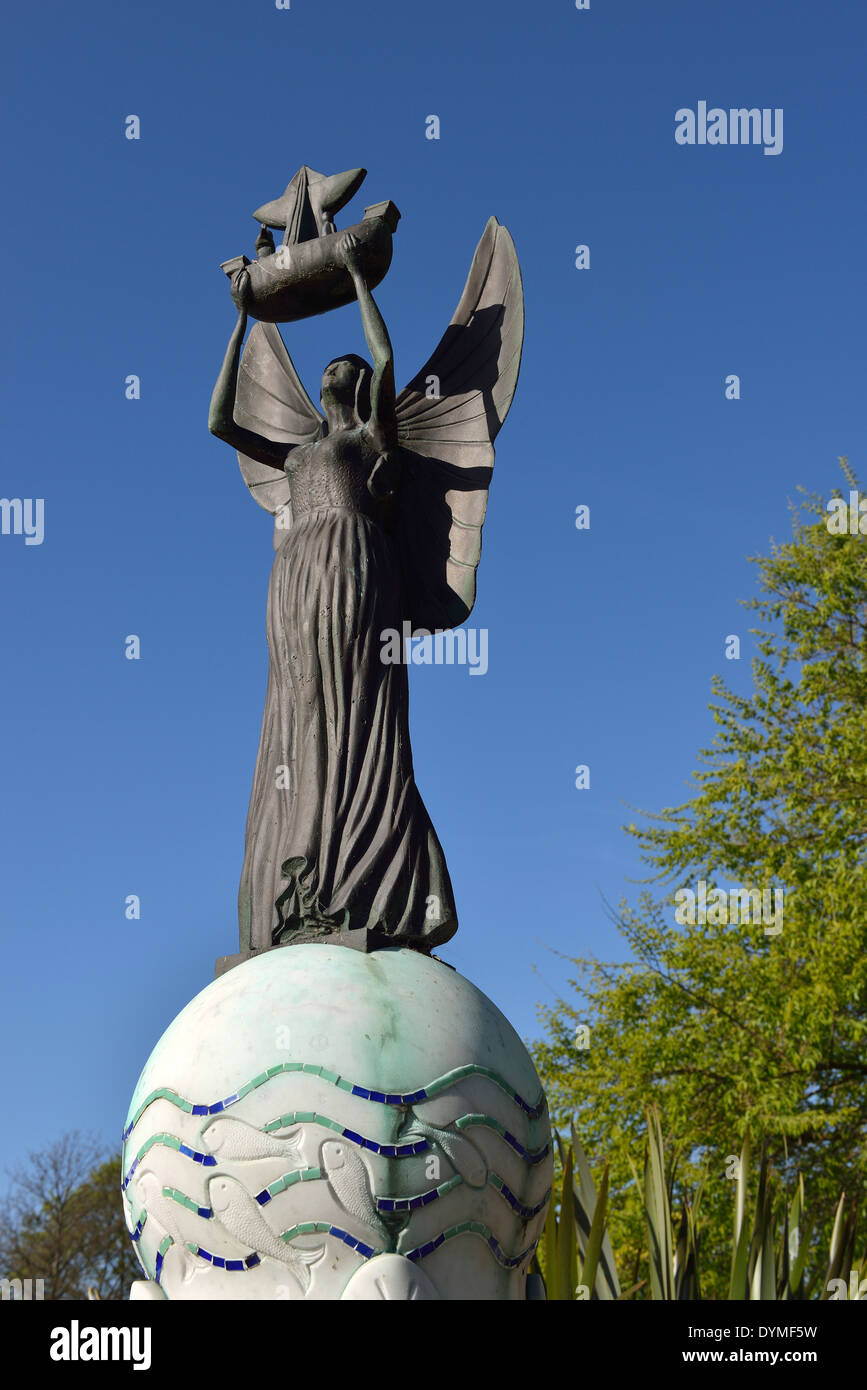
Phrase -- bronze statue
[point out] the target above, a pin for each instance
(379, 508)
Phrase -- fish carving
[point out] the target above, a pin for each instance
(233, 1140)
(461, 1152)
(349, 1181)
(238, 1212)
(165, 1214)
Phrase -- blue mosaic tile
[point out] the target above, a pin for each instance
(508, 1261)
(378, 1096)
(526, 1212)
(263, 1198)
(361, 1091)
(252, 1260)
(353, 1137)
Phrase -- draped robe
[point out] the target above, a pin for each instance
(348, 842)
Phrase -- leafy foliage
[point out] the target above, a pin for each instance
(731, 1028)
(63, 1223)
(770, 1241)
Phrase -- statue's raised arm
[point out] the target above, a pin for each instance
(221, 416)
(382, 425)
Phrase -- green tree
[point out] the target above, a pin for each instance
(63, 1222)
(732, 1026)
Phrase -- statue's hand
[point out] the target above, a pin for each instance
(348, 250)
(241, 289)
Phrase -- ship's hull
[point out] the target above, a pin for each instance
(309, 277)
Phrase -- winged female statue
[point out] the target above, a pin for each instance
(379, 505)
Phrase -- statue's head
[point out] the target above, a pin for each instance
(346, 382)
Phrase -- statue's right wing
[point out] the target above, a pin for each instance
(447, 420)
(271, 401)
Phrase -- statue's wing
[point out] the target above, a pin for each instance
(447, 420)
(271, 401)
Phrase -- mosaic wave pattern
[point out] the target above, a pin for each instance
(387, 1205)
(313, 1117)
(383, 1204)
(475, 1228)
(428, 1092)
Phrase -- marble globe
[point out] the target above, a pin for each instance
(324, 1123)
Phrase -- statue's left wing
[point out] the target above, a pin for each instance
(447, 420)
(271, 401)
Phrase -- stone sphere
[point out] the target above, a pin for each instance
(324, 1123)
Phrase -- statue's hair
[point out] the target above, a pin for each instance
(362, 383)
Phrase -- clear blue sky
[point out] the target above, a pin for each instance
(127, 777)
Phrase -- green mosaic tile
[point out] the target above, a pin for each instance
(185, 1201)
(331, 1076)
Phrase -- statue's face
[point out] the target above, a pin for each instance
(339, 381)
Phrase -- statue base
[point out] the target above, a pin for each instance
(329, 1124)
(358, 939)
